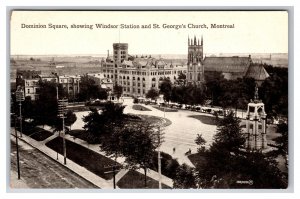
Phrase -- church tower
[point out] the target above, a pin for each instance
(256, 124)
(195, 72)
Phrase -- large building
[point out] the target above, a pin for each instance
(101, 81)
(137, 75)
(195, 69)
(28, 80)
(236, 67)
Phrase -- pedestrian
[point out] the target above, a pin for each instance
(174, 149)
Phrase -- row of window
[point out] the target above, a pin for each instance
(139, 91)
(133, 84)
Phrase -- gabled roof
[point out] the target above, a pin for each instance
(257, 71)
(127, 63)
(233, 64)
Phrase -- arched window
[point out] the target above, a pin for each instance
(143, 79)
(133, 78)
(153, 79)
(138, 78)
(123, 77)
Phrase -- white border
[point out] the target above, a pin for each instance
(4, 72)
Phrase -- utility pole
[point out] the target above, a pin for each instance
(17, 146)
(20, 97)
(61, 114)
(57, 103)
(159, 141)
(113, 169)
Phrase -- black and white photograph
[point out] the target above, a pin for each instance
(148, 100)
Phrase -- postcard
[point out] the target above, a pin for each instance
(149, 99)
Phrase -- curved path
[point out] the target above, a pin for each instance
(180, 134)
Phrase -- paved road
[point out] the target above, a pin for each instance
(39, 171)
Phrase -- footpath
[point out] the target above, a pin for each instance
(81, 171)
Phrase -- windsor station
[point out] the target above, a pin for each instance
(192, 101)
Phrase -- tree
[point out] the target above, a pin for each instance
(165, 88)
(282, 140)
(274, 91)
(200, 141)
(100, 126)
(225, 163)
(229, 134)
(46, 104)
(118, 91)
(185, 178)
(70, 118)
(181, 76)
(88, 89)
(138, 143)
(152, 94)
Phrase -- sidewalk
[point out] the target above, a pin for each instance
(81, 171)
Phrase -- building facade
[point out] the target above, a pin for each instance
(70, 84)
(29, 81)
(102, 81)
(137, 75)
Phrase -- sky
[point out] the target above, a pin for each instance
(253, 32)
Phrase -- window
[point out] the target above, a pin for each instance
(153, 79)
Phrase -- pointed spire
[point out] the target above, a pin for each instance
(195, 41)
(256, 98)
(201, 40)
(198, 42)
(189, 40)
(107, 53)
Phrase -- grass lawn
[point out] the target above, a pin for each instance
(36, 133)
(81, 134)
(41, 135)
(156, 120)
(135, 180)
(87, 158)
(205, 119)
(140, 108)
(165, 109)
(83, 108)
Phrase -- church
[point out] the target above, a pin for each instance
(230, 67)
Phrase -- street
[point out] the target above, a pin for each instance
(40, 171)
